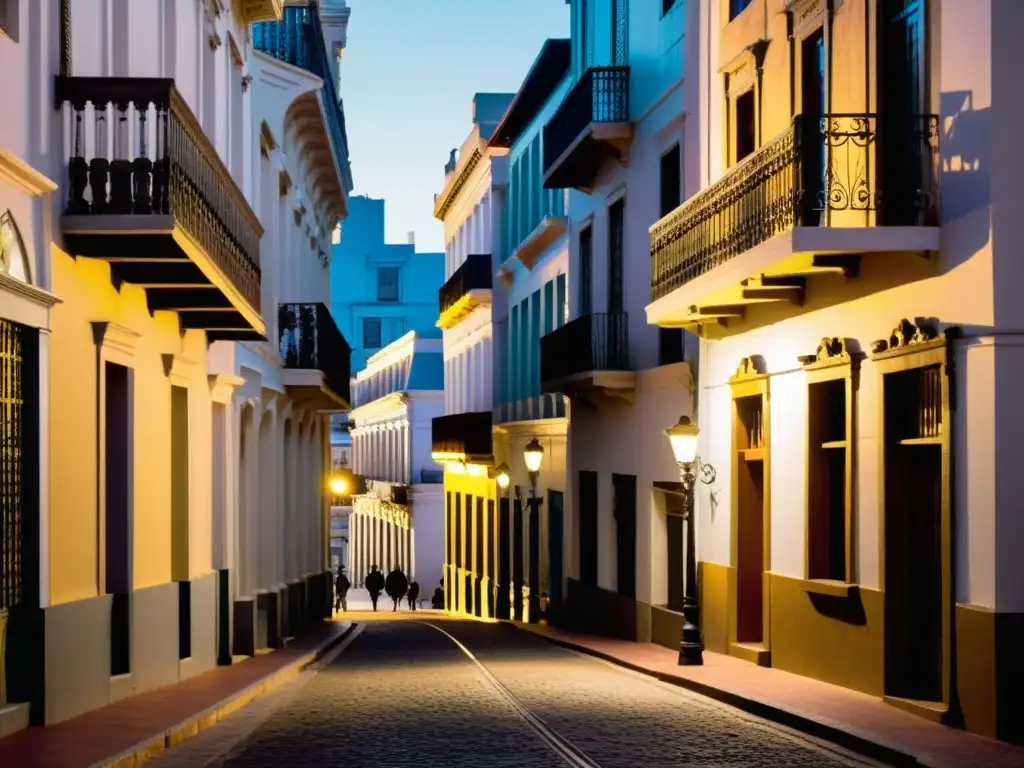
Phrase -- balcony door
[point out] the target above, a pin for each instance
(901, 100)
(813, 109)
(586, 272)
(616, 226)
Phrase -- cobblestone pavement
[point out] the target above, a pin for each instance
(404, 694)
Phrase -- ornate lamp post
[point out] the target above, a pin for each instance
(503, 601)
(533, 455)
(683, 439)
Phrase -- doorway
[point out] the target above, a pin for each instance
(587, 528)
(813, 112)
(118, 529)
(624, 507)
(534, 581)
(517, 557)
(750, 517)
(555, 537)
(914, 602)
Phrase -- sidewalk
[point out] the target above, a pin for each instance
(144, 725)
(854, 720)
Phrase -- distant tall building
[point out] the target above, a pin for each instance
(380, 291)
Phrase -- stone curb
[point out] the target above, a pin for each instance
(146, 750)
(827, 730)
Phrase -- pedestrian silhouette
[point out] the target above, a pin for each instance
(396, 585)
(374, 584)
(437, 601)
(341, 587)
(414, 592)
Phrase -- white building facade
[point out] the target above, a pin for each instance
(618, 143)
(470, 206)
(533, 276)
(857, 351)
(132, 317)
(396, 518)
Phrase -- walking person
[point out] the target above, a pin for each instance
(437, 601)
(396, 585)
(341, 588)
(414, 592)
(374, 584)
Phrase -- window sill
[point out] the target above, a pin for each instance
(829, 587)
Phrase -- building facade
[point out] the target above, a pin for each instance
(617, 142)
(533, 277)
(397, 511)
(380, 291)
(120, 293)
(470, 205)
(853, 290)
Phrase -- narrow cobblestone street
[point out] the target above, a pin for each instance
(404, 693)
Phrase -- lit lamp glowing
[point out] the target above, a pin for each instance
(501, 476)
(533, 455)
(338, 485)
(683, 439)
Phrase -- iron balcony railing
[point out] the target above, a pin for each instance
(137, 149)
(298, 40)
(600, 96)
(311, 340)
(598, 342)
(462, 433)
(473, 275)
(840, 170)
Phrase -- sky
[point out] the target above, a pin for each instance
(408, 76)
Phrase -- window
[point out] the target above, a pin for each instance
(616, 222)
(620, 38)
(671, 184)
(371, 333)
(736, 7)
(586, 270)
(746, 134)
(387, 284)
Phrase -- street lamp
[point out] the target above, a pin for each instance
(683, 439)
(338, 485)
(501, 476)
(533, 455)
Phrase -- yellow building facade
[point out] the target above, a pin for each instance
(842, 264)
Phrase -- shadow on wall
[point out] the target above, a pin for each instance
(965, 184)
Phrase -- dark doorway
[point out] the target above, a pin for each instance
(750, 519)
(478, 580)
(746, 125)
(586, 243)
(518, 575)
(616, 246)
(624, 506)
(901, 101)
(118, 480)
(675, 527)
(587, 528)
(913, 567)
(469, 575)
(555, 544)
(535, 585)
(504, 559)
(180, 517)
(457, 546)
(813, 109)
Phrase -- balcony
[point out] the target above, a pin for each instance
(297, 38)
(851, 195)
(469, 287)
(147, 193)
(590, 127)
(316, 356)
(462, 437)
(589, 355)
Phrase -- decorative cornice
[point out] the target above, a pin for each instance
(447, 199)
(23, 176)
(905, 335)
(116, 337)
(830, 351)
(179, 368)
(750, 368)
(222, 386)
(9, 284)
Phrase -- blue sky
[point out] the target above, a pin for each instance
(408, 76)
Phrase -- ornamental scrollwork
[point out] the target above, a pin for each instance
(906, 334)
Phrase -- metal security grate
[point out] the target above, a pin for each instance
(11, 469)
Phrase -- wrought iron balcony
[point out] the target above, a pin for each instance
(591, 126)
(467, 288)
(841, 171)
(298, 39)
(311, 343)
(147, 191)
(462, 437)
(588, 353)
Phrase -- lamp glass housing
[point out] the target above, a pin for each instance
(533, 454)
(338, 486)
(683, 439)
(501, 476)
